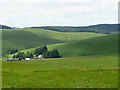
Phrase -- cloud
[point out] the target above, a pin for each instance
(24, 1)
(57, 12)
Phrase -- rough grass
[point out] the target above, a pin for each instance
(93, 46)
(30, 38)
(66, 36)
(79, 72)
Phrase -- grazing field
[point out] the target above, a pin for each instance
(88, 60)
(24, 40)
(93, 46)
(78, 72)
(30, 38)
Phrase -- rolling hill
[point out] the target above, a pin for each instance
(103, 45)
(89, 60)
(30, 38)
(100, 28)
(93, 46)
(4, 27)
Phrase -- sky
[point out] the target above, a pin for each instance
(25, 13)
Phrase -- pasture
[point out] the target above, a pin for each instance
(93, 46)
(78, 72)
(89, 60)
(29, 38)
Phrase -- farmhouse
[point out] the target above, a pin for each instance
(27, 58)
(39, 56)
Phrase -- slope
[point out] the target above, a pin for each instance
(30, 38)
(94, 46)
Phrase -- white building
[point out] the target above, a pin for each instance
(39, 56)
(27, 58)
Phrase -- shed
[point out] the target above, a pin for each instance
(27, 58)
(39, 56)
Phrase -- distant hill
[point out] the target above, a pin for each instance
(14, 27)
(4, 27)
(93, 46)
(101, 28)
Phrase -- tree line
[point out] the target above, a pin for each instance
(38, 51)
(13, 51)
(22, 55)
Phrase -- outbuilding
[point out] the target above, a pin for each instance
(27, 58)
(39, 56)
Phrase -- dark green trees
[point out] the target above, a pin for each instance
(13, 51)
(14, 56)
(28, 55)
(22, 55)
(40, 50)
(51, 54)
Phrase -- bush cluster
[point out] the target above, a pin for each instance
(13, 51)
(22, 55)
(39, 51)
(51, 54)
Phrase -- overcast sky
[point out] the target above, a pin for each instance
(24, 13)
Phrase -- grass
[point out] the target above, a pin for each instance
(24, 40)
(66, 36)
(93, 46)
(78, 72)
(88, 61)
(30, 38)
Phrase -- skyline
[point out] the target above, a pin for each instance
(20, 13)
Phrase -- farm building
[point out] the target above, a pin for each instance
(39, 56)
(27, 58)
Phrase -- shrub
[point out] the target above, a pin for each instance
(13, 51)
(20, 55)
(51, 54)
(40, 50)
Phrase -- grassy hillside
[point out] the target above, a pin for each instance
(24, 40)
(101, 28)
(79, 72)
(30, 38)
(66, 36)
(93, 46)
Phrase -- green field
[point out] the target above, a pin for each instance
(93, 46)
(30, 38)
(78, 72)
(89, 60)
